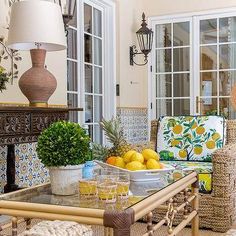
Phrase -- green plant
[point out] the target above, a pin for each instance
(63, 143)
(4, 78)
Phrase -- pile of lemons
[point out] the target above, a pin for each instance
(132, 160)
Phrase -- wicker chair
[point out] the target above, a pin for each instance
(218, 209)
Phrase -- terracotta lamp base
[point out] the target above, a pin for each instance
(37, 83)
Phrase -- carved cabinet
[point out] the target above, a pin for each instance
(23, 125)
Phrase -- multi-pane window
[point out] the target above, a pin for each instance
(93, 70)
(72, 68)
(172, 68)
(217, 65)
(85, 75)
(194, 65)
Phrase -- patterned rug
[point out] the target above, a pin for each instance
(137, 230)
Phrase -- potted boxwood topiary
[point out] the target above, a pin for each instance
(62, 148)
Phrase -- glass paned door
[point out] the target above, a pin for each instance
(93, 69)
(217, 55)
(194, 78)
(172, 68)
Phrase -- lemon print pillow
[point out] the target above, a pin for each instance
(190, 138)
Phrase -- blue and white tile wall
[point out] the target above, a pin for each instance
(135, 123)
(29, 170)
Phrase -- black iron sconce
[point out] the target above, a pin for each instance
(145, 40)
(68, 10)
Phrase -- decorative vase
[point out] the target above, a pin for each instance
(64, 179)
(37, 83)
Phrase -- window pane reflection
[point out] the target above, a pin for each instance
(227, 29)
(88, 109)
(181, 34)
(227, 81)
(209, 84)
(163, 85)
(163, 60)
(208, 31)
(72, 76)
(164, 35)
(181, 107)
(208, 57)
(72, 101)
(88, 84)
(87, 18)
(181, 85)
(163, 107)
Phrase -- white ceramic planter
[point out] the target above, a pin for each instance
(64, 179)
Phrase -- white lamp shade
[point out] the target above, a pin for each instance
(36, 21)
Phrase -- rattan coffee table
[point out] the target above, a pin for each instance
(38, 202)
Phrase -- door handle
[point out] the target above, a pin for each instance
(197, 104)
(198, 100)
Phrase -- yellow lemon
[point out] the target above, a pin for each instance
(137, 157)
(134, 165)
(215, 136)
(197, 150)
(128, 155)
(183, 153)
(210, 144)
(153, 164)
(194, 126)
(174, 142)
(200, 130)
(150, 154)
(178, 129)
(144, 167)
(119, 162)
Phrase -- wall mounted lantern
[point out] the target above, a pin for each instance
(68, 10)
(145, 39)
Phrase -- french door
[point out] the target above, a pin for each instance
(193, 65)
(91, 66)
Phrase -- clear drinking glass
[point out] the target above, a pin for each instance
(123, 185)
(107, 188)
(88, 188)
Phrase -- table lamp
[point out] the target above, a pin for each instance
(37, 26)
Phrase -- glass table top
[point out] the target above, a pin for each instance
(137, 192)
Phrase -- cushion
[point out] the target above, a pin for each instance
(190, 138)
(58, 228)
(204, 170)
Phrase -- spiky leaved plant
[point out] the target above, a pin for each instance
(115, 135)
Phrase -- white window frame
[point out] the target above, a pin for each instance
(194, 65)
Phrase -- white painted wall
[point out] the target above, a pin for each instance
(129, 14)
(163, 7)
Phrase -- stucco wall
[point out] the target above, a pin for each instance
(132, 79)
(161, 7)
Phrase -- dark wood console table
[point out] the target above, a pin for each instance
(24, 125)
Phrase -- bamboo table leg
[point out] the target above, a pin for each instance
(14, 226)
(120, 221)
(195, 206)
